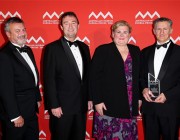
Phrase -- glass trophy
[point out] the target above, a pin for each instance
(153, 85)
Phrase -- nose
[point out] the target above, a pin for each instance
(121, 34)
(162, 31)
(70, 25)
(22, 32)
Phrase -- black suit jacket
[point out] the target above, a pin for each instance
(18, 93)
(169, 77)
(108, 81)
(62, 82)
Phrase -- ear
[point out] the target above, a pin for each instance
(112, 34)
(171, 31)
(61, 27)
(129, 35)
(154, 31)
(8, 34)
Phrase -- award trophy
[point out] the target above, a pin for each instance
(153, 85)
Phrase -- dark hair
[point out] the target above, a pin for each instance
(10, 21)
(162, 19)
(67, 14)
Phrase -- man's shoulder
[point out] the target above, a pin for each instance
(4, 56)
(54, 43)
(148, 48)
(177, 46)
(6, 49)
(82, 43)
(176, 50)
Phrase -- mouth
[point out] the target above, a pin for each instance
(22, 37)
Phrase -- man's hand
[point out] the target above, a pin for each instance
(19, 122)
(57, 112)
(139, 103)
(39, 104)
(90, 105)
(100, 107)
(160, 99)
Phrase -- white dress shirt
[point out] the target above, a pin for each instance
(77, 55)
(159, 57)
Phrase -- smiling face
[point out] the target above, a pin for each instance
(17, 33)
(162, 31)
(121, 35)
(70, 27)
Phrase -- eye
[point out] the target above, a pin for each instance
(17, 31)
(125, 32)
(74, 23)
(65, 23)
(24, 30)
(158, 29)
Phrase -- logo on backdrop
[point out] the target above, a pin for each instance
(41, 89)
(132, 40)
(4, 15)
(100, 18)
(175, 40)
(90, 114)
(146, 18)
(52, 18)
(87, 136)
(35, 42)
(46, 115)
(85, 40)
(42, 135)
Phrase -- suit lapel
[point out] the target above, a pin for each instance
(151, 61)
(30, 54)
(70, 57)
(20, 58)
(165, 62)
(84, 58)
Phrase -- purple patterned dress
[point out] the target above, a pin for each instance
(110, 128)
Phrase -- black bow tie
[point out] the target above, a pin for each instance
(162, 45)
(22, 49)
(72, 43)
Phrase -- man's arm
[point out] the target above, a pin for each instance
(7, 91)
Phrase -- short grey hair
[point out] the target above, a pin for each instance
(162, 19)
(10, 21)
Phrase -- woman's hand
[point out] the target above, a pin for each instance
(99, 108)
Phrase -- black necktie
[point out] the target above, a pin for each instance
(162, 45)
(22, 49)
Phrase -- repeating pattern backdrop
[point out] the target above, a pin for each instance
(96, 18)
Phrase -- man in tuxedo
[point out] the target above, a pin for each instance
(66, 70)
(19, 90)
(161, 60)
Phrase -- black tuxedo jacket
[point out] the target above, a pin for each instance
(108, 81)
(18, 93)
(169, 77)
(62, 82)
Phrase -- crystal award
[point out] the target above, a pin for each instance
(153, 85)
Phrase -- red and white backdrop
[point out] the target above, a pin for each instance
(96, 17)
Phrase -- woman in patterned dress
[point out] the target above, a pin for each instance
(115, 86)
